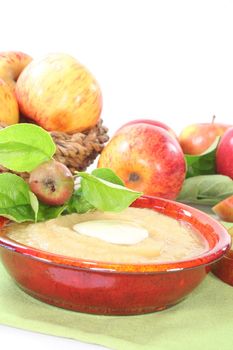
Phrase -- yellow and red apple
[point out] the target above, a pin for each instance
(197, 138)
(147, 158)
(59, 93)
(11, 65)
(9, 111)
(224, 209)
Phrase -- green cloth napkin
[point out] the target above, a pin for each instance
(204, 319)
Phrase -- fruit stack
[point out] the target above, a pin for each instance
(195, 168)
(58, 94)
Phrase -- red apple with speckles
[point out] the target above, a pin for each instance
(151, 122)
(147, 158)
(52, 182)
(224, 154)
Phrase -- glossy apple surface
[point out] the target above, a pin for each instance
(147, 158)
(59, 94)
(224, 209)
(224, 154)
(151, 122)
(11, 65)
(197, 138)
(9, 111)
(52, 182)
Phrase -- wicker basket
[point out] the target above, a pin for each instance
(77, 151)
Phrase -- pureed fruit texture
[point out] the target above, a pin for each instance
(59, 236)
(147, 158)
(60, 94)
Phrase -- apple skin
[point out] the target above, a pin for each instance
(197, 138)
(147, 158)
(224, 154)
(59, 94)
(11, 65)
(9, 111)
(52, 182)
(224, 209)
(151, 122)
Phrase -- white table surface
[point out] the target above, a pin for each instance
(14, 338)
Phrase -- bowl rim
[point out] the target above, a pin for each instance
(177, 209)
(228, 255)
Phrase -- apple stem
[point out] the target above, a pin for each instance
(213, 119)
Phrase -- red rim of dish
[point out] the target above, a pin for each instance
(170, 208)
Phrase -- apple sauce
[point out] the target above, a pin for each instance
(168, 239)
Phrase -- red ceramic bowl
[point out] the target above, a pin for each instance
(116, 289)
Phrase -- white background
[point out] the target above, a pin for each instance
(167, 60)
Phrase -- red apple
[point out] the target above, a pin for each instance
(197, 138)
(151, 122)
(224, 209)
(224, 154)
(147, 158)
(52, 182)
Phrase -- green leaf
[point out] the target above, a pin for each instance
(46, 212)
(108, 175)
(104, 195)
(206, 189)
(78, 204)
(34, 203)
(15, 199)
(203, 164)
(25, 146)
